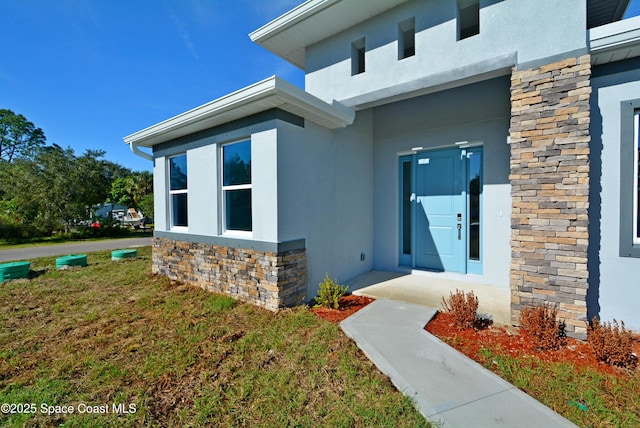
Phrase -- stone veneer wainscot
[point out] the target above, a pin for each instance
(550, 189)
(267, 279)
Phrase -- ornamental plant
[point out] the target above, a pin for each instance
(462, 307)
(330, 292)
(541, 324)
(612, 344)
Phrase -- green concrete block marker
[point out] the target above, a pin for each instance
(71, 260)
(14, 270)
(124, 254)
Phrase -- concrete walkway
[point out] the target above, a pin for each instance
(448, 388)
(78, 247)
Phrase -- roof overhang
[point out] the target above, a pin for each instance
(264, 95)
(601, 12)
(615, 42)
(313, 21)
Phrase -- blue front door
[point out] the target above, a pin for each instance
(440, 206)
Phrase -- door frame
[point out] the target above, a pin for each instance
(407, 173)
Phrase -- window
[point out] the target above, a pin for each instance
(630, 178)
(468, 18)
(407, 38)
(406, 205)
(474, 195)
(636, 178)
(178, 190)
(357, 57)
(236, 186)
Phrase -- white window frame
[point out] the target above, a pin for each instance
(172, 225)
(224, 189)
(636, 134)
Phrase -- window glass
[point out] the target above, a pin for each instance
(475, 186)
(178, 172)
(407, 38)
(236, 186)
(406, 207)
(179, 209)
(237, 163)
(636, 235)
(178, 190)
(357, 57)
(468, 18)
(238, 209)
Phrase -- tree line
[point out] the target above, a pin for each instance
(45, 188)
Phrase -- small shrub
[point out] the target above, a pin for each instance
(541, 324)
(462, 307)
(612, 344)
(330, 292)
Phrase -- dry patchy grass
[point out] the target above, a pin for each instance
(112, 333)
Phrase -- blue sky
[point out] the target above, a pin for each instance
(89, 72)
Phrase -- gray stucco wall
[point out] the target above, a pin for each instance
(160, 193)
(203, 165)
(511, 31)
(613, 280)
(478, 112)
(325, 195)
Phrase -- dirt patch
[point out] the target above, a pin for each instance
(509, 340)
(349, 305)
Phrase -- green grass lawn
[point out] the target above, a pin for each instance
(112, 337)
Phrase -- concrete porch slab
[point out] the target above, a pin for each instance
(428, 289)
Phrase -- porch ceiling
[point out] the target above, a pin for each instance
(267, 94)
(601, 12)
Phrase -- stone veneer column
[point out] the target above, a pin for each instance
(266, 279)
(550, 189)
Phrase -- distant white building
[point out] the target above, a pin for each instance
(110, 210)
(489, 141)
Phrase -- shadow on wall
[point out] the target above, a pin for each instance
(595, 208)
(440, 13)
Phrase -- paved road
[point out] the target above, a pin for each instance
(81, 247)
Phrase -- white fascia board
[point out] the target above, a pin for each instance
(617, 35)
(313, 21)
(302, 103)
(269, 93)
(295, 15)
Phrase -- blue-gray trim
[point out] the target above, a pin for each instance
(223, 241)
(244, 126)
(627, 158)
(615, 67)
(553, 58)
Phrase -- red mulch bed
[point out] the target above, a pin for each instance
(349, 304)
(510, 340)
(469, 341)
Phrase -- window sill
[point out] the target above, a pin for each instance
(237, 234)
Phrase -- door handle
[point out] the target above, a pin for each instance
(459, 231)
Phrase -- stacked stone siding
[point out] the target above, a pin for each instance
(550, 189)
(266, 279)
